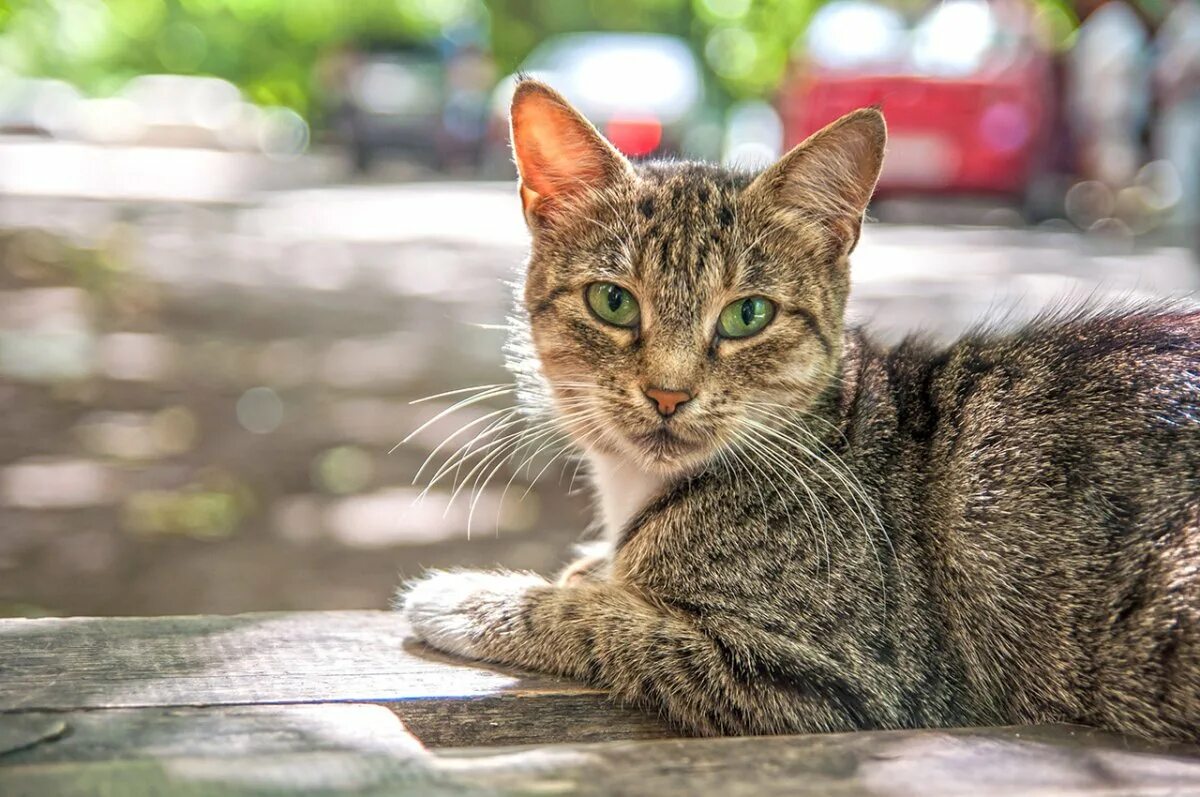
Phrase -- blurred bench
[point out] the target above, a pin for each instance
(344, 702)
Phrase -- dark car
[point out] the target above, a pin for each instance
(426, 103)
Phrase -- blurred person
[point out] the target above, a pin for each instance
(1108, 90)
(1177, 134)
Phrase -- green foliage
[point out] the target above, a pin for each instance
(273, 48)
(744, 42)
(748, 44)
(270, 48)
(519, 25)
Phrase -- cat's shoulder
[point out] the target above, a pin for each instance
(1107, 357)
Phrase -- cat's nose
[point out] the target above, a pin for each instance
(667, 401)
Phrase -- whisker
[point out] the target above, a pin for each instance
(459, 391)
(854, 488)
(506, 412)
(487, 394)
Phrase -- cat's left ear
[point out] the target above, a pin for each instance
(560, 156)
(829, 177)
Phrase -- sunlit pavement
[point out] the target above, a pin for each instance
(201, 402)
(75, 170)
(934, 278)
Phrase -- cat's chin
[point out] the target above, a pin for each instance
(665, 444)
(666, 454)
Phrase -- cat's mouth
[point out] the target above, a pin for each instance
(667, 444)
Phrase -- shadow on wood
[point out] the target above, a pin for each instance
(304, 657)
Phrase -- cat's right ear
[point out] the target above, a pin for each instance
(559, 154)
(828, 178)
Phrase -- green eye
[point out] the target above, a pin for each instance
(612, 304)
(745, 317)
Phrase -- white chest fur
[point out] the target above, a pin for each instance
(622, 490)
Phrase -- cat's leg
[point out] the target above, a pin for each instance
(739, 681)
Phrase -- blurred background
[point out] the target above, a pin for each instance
(239, 237)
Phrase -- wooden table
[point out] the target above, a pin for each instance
(346, 703)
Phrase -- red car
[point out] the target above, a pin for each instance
(967, 88)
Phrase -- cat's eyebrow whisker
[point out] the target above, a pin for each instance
(615, 233)
(607, 199)
(741, 258)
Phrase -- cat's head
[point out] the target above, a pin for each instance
(673, 308)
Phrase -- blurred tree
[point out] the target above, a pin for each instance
(267, 47)
(747, 44)
(519, 25)
(270, 47)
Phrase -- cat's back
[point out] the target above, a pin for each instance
(1060, 381)
(1054, 470)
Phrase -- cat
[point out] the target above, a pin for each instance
(806, 530)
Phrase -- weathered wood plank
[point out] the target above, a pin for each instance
(317, 750)
(20, 732)
(218, 732)
(305, 657)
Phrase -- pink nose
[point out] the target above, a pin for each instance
(667, 400)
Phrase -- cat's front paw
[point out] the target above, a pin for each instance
(458, 611)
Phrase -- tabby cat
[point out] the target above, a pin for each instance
(809, 531)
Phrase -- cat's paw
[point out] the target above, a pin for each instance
(456, 611)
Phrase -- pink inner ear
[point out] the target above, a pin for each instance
(556, 152)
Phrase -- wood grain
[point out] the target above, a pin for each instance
(339, 703)
(218, 732)
(362, 749)
(304, 657)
